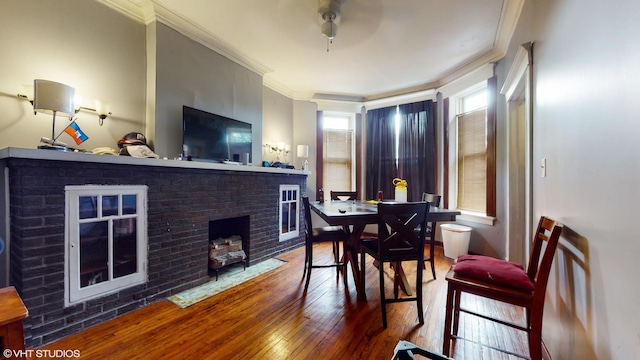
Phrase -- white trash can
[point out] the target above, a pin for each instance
(455, 239)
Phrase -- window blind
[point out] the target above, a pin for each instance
(472, 161)
(338, 168)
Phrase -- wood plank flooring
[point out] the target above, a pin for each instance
(270, 317)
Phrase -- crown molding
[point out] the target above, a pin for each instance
(211, 41)
(489, 57)
(429, 94)
(509, 17)
(138, 10)
(521, 62)
(147, 11)
(470, 78)
(280, 88)
(347, 106)
(511, 10)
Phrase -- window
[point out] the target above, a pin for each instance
(106, 240)
(289, 212)
(472, 148)
(401, 143)
(338, 153)
(472, 156)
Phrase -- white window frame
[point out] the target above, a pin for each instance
(74, 293)
(457, 100)
(289, 200)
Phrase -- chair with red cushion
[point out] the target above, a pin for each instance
(507, 282)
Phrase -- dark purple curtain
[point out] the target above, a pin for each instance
(417, 148)
(381, 167)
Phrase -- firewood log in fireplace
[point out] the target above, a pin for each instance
(226, 251)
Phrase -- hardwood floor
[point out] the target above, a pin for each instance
(271, 318)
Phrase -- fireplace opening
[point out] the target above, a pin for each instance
(228, 242)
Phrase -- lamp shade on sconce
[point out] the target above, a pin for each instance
(302, 151)
(51, 97)
(102, 107)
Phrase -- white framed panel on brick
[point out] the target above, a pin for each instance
(289, 205)
(105, 240)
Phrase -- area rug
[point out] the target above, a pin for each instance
(227, 279)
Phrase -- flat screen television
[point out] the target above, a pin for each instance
(211, 137)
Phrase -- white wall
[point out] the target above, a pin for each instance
(277, 123)
(79, 43)
(586, 84)
(304, 133)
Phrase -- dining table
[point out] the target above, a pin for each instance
(354, 216)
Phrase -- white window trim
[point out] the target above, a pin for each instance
(455, 101)
(294, 233)
(474, 217)
(73, 293)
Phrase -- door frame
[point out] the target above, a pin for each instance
(518, 93)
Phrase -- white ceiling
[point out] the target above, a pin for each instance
(382, 47)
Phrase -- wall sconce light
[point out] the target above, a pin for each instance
(28, 88)
(302, 152)
(101, 108)
(279, 149)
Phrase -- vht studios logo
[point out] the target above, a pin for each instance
(50, 354)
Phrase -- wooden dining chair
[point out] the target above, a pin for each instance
(507, 282)
(333, 234)
(337, 195)
(398, 241)
(430, 231)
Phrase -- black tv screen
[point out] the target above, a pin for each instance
(207, 136)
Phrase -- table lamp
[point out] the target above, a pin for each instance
(303, 152)
(54, 98)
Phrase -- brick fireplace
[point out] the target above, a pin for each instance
(184, 199)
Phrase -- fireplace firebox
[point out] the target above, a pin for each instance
(228, 227)
(228, 239)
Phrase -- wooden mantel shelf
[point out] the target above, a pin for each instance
(53, 155)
